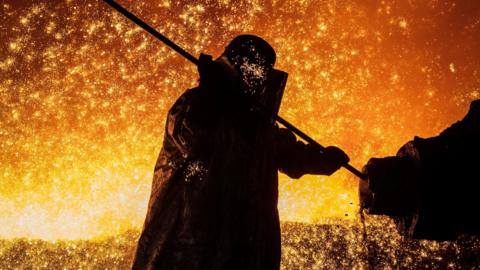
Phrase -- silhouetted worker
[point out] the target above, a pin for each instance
(214, 194)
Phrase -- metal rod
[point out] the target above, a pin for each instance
(152, 31)
(194, 60)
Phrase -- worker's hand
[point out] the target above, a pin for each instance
(334, 158)
(215, 75)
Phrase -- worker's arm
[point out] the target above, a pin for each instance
(296, 158)
(194, 117)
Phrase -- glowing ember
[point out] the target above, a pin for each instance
(84, 95)
(195, 169)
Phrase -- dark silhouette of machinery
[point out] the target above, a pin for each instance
(431, 187)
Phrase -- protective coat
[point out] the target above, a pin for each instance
(213, 203)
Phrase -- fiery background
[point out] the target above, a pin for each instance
(84, 94)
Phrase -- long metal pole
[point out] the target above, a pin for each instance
(194, 60)
(152, 31)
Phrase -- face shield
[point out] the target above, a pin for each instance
(253, 58)
(254, 71)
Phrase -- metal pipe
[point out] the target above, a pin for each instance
(152, 31)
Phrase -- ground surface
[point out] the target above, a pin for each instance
(305, 246)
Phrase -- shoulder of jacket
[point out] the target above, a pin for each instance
(181, 101)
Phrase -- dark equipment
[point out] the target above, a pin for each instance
(431, 187)
(278, 82)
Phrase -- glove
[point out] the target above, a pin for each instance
(333, 158)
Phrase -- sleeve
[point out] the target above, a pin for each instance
(191, 122)
(295, 158)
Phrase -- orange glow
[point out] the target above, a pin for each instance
(84, 95)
